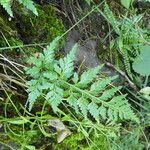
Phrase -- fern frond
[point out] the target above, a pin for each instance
(49, 51)
(111, 18)
(93, 110)
(86, 93)
(72, 101)
(127, 64)
(128, 37)
(32, 97)
(120, 106)
(109, 93)
(34, 71)
(43, 61)
(103, 112)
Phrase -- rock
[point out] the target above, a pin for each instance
(86, 52)
(87, 55)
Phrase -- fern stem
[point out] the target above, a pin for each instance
(146, 81)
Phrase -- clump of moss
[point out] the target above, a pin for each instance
(41, 28)
(9, 42)
(8, 35)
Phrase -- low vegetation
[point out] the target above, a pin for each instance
(51, 98)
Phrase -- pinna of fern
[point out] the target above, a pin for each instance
(6, 4)
(57, 82)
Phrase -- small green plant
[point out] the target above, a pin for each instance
(129, 37)
(26, 3)
(56, 82)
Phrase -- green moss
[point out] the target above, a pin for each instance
(27, 28)
(77, 141)
(8, 35)
(41, 28)
(9, 41)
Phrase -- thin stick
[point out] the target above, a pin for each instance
(131, 84)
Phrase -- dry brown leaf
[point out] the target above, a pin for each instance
(63, 132)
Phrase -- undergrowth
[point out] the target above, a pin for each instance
(57, 105)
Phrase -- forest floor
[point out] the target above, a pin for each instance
(96, 109)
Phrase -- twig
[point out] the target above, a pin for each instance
(11, 63)
(9, 78)
(131, 84)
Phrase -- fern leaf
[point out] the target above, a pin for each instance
(7, 6)
(111, 18)
(54, 96)
(88, 76)
(29, 5)
(124, 52)
(103, 112)
(73, 103)
(83, 104)
(109, 93)
(110, 115)
(32, 97)
(50, 75)
(49, 51)
(66, 64)
(75, 78)
(35, 61)
(100, 84)
(127, 63)
(93, 109)
(52, 46)
(122, 109)
(34, 72)
(44, 86)
(53, 83)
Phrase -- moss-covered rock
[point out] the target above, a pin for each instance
(8, 35)
(41, 28)
(26, 28)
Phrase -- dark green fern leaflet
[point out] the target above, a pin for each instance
(56, 82)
